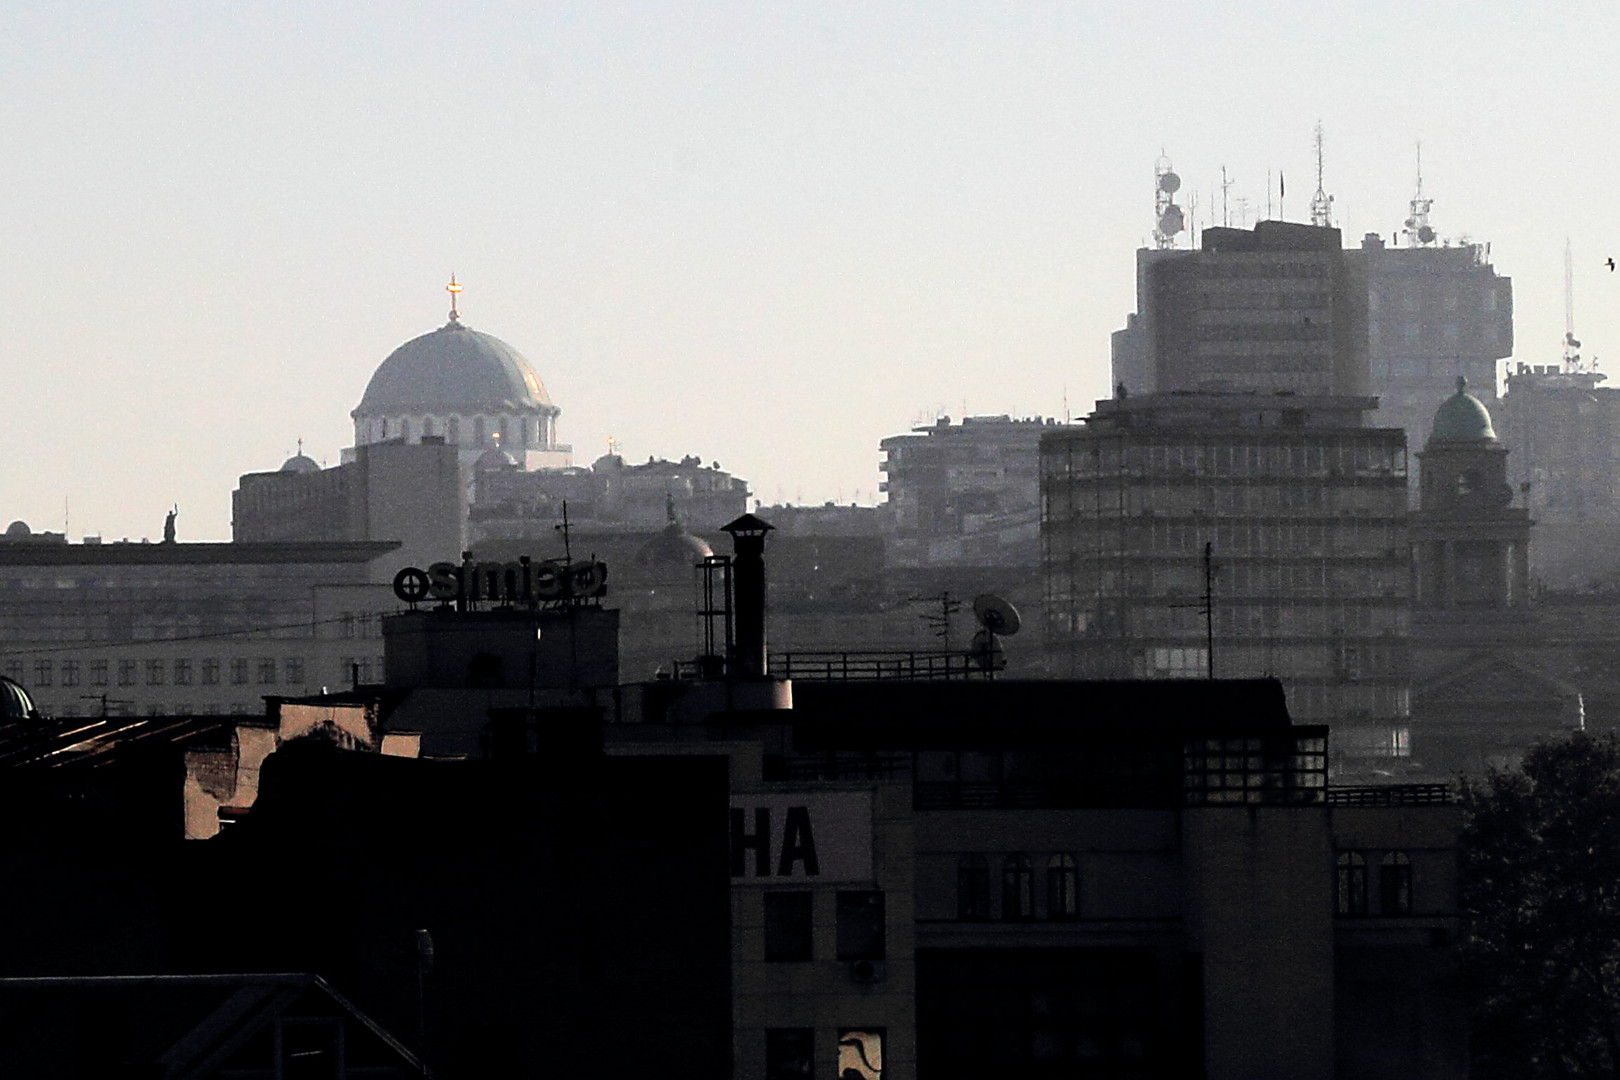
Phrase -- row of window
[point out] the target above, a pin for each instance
(1062, 880)
(211, 671)
(95, 707)
(790, 1053)
(790, 926)
(264, 671)
(1394, 889)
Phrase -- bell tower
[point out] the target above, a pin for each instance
(1470, 546)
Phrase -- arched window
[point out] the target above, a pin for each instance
(1017, 887)
(1395, 884)
(972, 888)
(1062, 888)
(384, 427)
(1351, 883)
(478, 431)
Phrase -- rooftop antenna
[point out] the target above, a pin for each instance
(454, 290)
(1168, 220)
(1321, 202)
(1417, 230)
(1572, 347)
(1226, 183)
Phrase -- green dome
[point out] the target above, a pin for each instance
(1462, 416)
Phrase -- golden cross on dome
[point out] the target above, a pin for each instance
(453, 289)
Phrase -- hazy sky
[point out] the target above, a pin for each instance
(769, 235)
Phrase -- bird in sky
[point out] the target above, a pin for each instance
(1610, 264)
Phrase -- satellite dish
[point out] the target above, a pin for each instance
(1171, 221)
(1426, 235)
(995, 614)
(1170, 183)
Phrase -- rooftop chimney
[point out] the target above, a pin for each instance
(748, 582)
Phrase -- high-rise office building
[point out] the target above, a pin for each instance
(1267, 529)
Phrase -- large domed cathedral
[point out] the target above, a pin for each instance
(470, 389)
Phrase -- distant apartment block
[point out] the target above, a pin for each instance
(966, 493)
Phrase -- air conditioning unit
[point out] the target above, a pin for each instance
(866, 972)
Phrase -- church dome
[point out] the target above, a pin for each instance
(493, 459)
(15, 704)
(300, 463)
(454, 369)
(1462, 416)
(18, 529)
(672, 549)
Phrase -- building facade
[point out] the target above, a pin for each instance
(1277, 308)
(1434, 313)
(1283, 514)
(410, 493)
(176, 629)
(964, 494)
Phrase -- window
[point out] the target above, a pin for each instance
(1062, 888)
(346, 624)
(293, 670)
(182, 673)
(154, 672)
(1395, 884)
(267, 670)
(210, 672)
(98, 673)
(1351, 884)
(239, 671)
(42, 672)
(70, 673)
(14, 670)
(860, 926)
(860, 1054)
(126, 673)
(788, 920)
(789, 1053)
(1017, 887)
(972, 888)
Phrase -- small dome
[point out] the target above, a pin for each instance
(1462, 416)
(300, 463)
(454, 369)
(494, 458)
(15, 704)
(18, 529)
(673, 549)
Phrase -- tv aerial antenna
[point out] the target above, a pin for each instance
(997, 619)
(939, 622)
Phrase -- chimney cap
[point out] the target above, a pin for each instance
(748, 525)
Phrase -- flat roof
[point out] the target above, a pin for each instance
(135, 554)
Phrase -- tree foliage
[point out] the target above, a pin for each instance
(1541, 909)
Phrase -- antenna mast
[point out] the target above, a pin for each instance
(1168, 220)
(1418, 231)
(1572, 347)
(1321, 202)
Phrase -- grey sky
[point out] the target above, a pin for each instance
(765, 234)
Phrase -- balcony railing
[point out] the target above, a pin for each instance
(872, 666)
(1391, 795)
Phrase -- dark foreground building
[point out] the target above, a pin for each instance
(744, 876)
